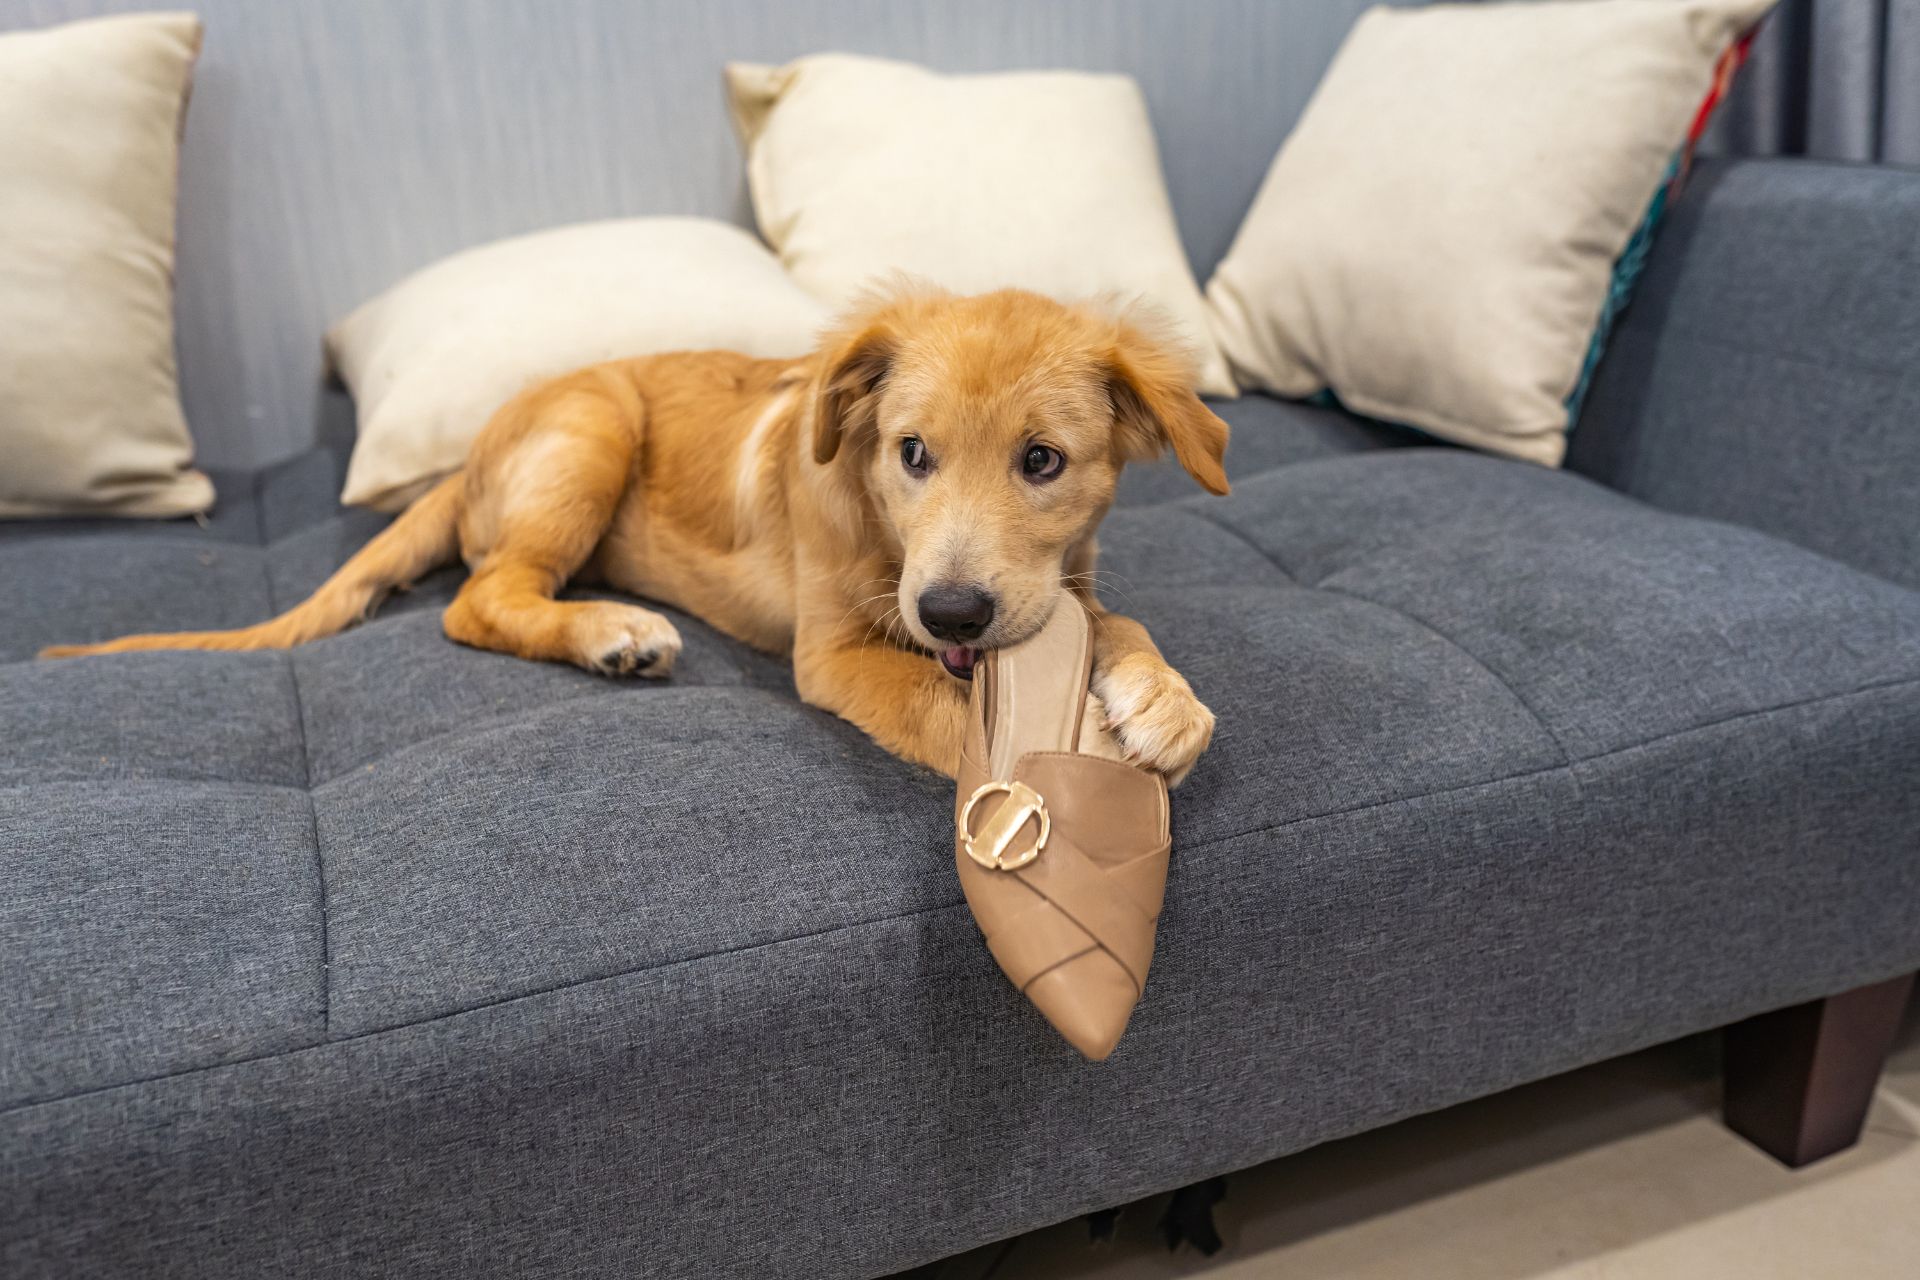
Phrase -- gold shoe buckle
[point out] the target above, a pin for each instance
(988, 847)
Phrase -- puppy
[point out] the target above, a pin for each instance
(923, 487)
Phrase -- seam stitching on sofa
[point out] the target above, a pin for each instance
(1570, 767)
(168, 778)
(145, 538)
(1539, 721)
(505, 718)
(1894, 683)
(166, 538)
(1566, 757)
(477, 1008)
(306, 788)
(484, 725)
(306, 769)
(1272, 560)
(160, 536)
(1179, 851)
(319, 857)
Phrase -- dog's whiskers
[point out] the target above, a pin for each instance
(883, 624)
(861, 604)
(1097, 582)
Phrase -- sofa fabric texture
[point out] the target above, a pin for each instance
(386, 955)
(1766, 372)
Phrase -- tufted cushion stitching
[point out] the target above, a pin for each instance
(1566, 757)
(482, 724)
(1181, 851)
(1188, 507)
(1422, 623)
(306, 763)
(482, 1006)
(149, 779)
(313, 827)
(486, 724)
(156, 537)
(161, 533)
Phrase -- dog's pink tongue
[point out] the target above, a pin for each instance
(959, 658)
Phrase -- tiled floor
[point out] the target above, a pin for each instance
(1621, 1171)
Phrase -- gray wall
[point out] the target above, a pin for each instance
(333, 145)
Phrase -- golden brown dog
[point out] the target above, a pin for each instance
(925, 486)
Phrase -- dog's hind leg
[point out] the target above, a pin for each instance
(543, 504)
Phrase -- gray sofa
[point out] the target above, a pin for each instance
(389, 957)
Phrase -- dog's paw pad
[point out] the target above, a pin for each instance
(630, 661)
(621, 640)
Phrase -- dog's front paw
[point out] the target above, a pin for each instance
(625, 640)
(1152, 710)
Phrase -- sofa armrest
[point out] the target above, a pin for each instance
(1768, 370)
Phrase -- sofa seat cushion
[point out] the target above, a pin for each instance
(1369, 628)
(1512, 772)
(1268, 432)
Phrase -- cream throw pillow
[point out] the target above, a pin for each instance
(1044, 180)
(430, 360)
(90, 119)
(1435, 241)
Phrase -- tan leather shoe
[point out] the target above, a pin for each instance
(1062, 845)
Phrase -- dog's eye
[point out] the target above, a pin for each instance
(1042, 463)
(913, 455)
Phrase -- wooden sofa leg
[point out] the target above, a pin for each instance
(1798, 1081)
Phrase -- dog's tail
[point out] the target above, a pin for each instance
(424, 537)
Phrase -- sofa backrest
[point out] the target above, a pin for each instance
(334, 145)
(1767, 371)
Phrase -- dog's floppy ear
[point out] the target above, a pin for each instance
(853, 369)
(1155, 407)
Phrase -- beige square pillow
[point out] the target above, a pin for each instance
(1044, 180)
(431, 359)
(1436, 240)
(90, 119)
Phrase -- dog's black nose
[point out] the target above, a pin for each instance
(954, 612)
